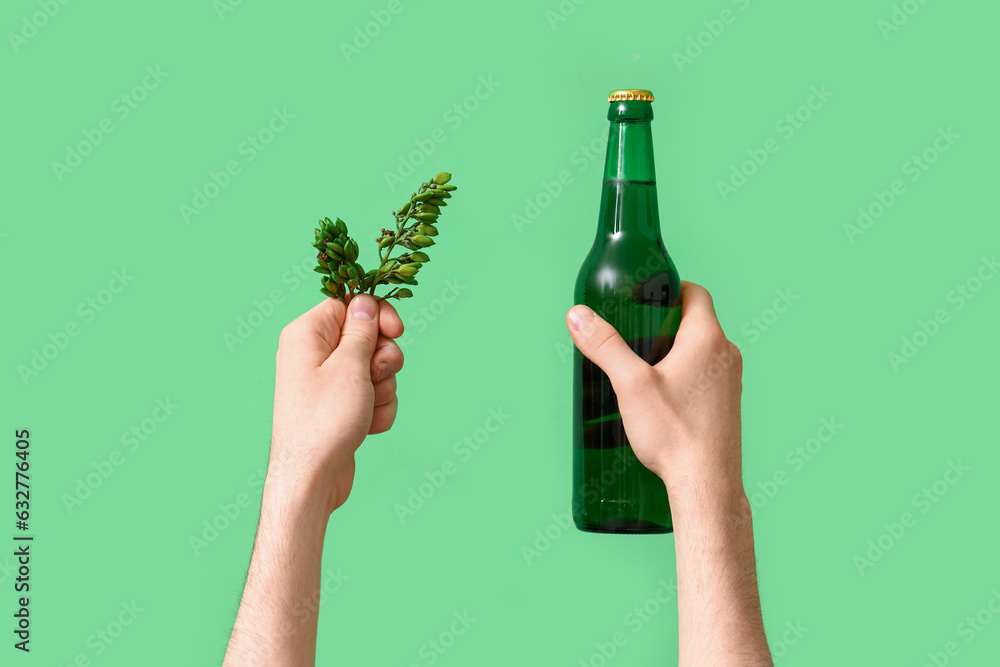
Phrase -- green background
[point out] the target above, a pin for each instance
(485, 330)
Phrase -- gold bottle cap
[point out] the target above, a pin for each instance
(630, 94)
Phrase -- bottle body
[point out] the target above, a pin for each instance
(628, 279)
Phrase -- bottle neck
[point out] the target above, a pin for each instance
(628, 200)
(630, 153)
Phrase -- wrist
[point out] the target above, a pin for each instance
(306, 475)
(717, 495)
(300, 501)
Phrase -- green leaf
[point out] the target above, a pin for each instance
(403, 293)
(408, 270)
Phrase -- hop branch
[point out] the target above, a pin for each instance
(414, 232)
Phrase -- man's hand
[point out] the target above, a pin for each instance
(335, 384)
(682, 418)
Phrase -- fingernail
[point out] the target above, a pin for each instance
(383, 371)
(363, 307)
(580, 316)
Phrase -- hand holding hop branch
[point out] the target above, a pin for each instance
(343, 276)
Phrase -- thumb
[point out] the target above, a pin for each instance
(360, 331)
(601, 343)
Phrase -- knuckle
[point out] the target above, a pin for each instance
(288, 334)
(392, 355)
(602, 338)
(355, 336)
(736, 354)
(386, 388)
(354, 369)
(713, 339)
(632, 378)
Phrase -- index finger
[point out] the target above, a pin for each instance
(389, 324)
(310, 338)
(697, 308)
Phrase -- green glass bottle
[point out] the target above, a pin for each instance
(628, 279)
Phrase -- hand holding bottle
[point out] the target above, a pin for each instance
(682, 419)
(682, 415)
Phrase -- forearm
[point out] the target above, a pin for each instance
(719, 616)
(276, 622)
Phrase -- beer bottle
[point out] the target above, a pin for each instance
(628, 279)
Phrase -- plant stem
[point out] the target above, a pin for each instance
(395, 239)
